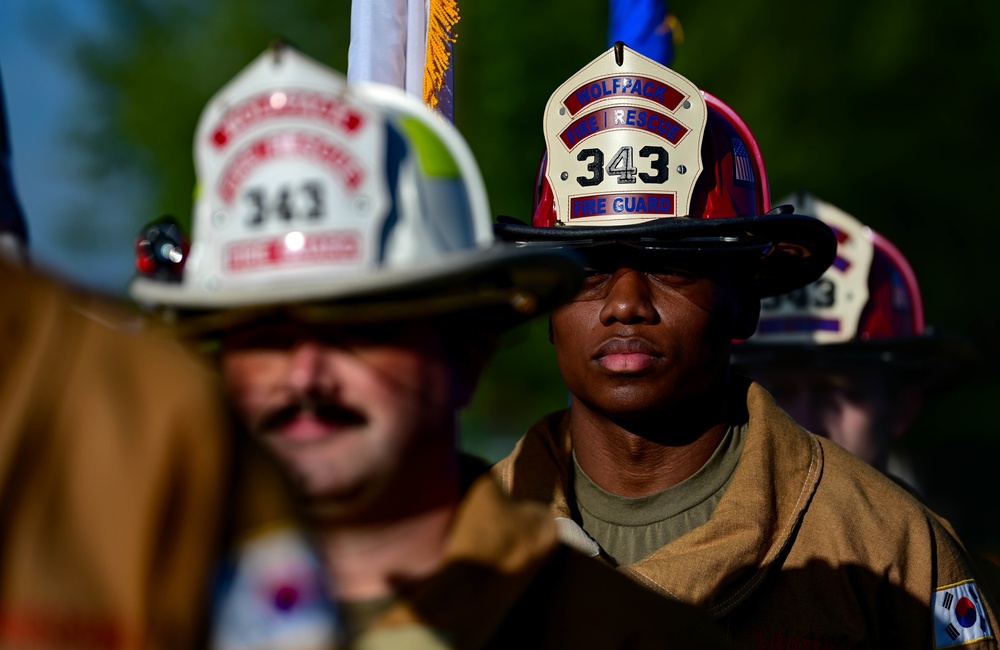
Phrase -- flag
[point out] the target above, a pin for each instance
(959, 617)
(742, 165)
(407, 44)
(646, 26)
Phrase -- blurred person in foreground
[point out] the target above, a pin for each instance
(848, 356)
(684, 476)
(343, 259)
(115, 466)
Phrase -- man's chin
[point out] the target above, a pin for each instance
(637, 401)
(329, 500)
(340, 506)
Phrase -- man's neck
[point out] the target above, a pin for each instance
(640, 456)
(372, 560)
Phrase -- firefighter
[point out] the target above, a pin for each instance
(667, 465)
(115, 466)
(849, 356)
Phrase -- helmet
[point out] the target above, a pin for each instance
(337, 202)
(638, 156)
(866, 309)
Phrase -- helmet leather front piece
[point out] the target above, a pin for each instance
(629, 141)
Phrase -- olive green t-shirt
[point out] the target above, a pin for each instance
(631, 528)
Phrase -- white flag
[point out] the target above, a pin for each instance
(390, 42)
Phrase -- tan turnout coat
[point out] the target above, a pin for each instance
(506, 582)
(114, 465)
(808, 548)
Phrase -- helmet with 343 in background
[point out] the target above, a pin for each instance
(865, 311)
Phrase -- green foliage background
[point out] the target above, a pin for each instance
(883, 108)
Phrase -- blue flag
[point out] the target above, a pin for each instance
(11, 218)
(643, 26)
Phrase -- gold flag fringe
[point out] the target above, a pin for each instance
(440, 34)
(673, 24)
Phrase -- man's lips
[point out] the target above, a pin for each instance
(305, 427)
(627, 355)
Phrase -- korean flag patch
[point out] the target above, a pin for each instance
(959, 616)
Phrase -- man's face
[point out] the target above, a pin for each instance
(348, 413)
(853, 408)
(636, 342)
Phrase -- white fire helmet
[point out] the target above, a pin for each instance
(341, 202)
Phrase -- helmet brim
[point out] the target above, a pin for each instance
(502, 286)
(933, 361)
(797, 249)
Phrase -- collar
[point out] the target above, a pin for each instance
(751, 528)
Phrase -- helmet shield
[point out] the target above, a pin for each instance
(624, 143)
(829, 309)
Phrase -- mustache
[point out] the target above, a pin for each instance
(323, 409)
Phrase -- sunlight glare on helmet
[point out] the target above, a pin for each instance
(294, 241)
(278, 100)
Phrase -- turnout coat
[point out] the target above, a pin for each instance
(507, 582)
(117, 476)
(809, 547)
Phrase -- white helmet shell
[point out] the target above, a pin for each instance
(310, 189)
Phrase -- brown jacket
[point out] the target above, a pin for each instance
(808, 548)
(113, 469)
(508, 583)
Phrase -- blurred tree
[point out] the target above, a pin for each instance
(157, 65)
(877, 107)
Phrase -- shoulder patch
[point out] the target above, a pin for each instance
(276, 598)
(959, 617)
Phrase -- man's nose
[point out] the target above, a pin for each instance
(629, 299)
(305, 366)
